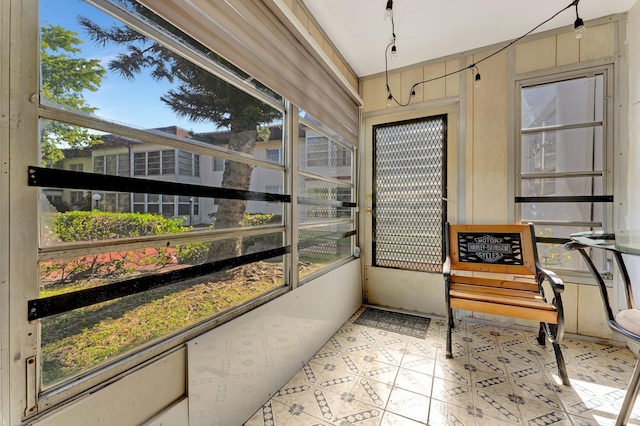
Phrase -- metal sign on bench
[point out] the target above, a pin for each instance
(495, 248)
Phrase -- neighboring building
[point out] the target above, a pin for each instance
(121, 156)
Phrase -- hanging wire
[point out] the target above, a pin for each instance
(473, 67)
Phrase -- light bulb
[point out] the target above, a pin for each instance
(389, 99)
(389, 11)
(580, 29)
(394, 52)
(478, 82)
(413, 93)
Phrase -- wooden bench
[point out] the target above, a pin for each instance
(481, 264)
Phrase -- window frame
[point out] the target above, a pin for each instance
(608, 142)
(137, 357)
(141, 355)
(312, 173)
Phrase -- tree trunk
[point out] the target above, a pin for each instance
(231, 212)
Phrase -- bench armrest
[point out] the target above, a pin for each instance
(553, 285)
(546, 275)
(446, 268)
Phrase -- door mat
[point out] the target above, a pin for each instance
(410, 325)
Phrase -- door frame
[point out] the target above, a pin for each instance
(412, 291)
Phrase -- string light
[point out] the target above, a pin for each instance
(578, 25)
(389, 12)
(478, 82)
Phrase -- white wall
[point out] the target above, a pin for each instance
(237, 367)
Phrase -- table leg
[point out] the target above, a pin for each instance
(630, 398)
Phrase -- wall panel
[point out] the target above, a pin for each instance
(373, 90)
(567, 50)
(490, 143)
(434, 89)
(452, 82)
(535, 55)
(132, 400)
(409, 78)
(598, 43)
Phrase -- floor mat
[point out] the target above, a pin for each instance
(393, 321)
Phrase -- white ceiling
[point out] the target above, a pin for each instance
(429, 29)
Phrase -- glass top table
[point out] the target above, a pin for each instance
(623, 241)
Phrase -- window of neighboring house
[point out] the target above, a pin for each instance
(274, 155)
(139, 203)
(317, 151)
(184, 206)
(168, 161)
(562, 151)
(151, 163)
(77, 167)
(153, 203)
(55, 199)
(188, 164)
(165, 205)
(218, 164)
(342, 156)
(116, 202)
(77, 198)
(168, 205)
(111, 164)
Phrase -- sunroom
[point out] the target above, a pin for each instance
(233, 212)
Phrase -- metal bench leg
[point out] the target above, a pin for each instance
(562, 368)
(630, 398)
(449, 328)
(542, 336)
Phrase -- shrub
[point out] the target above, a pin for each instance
(97, 225)
(192, 252)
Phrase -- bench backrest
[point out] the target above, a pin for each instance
(504, 249)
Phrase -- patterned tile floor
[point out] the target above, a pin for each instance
(498, 376)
